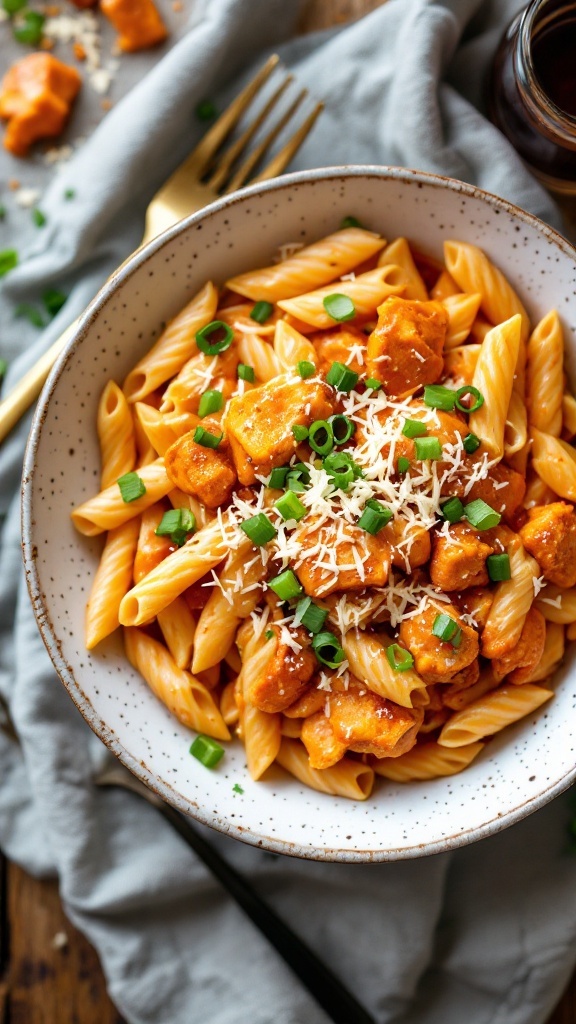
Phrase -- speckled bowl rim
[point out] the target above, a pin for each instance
(47, 631)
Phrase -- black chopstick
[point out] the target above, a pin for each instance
(337, 1001)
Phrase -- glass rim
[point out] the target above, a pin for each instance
(538, 101)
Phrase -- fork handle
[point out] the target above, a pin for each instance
(30, 385)
(337, 1001)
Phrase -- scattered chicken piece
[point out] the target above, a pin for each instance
(327, 563)
(346, 344)
(438, 661)
(207, 473)
(550, 536)
(459, 561)
(36, 96)
(286, 675)
(405, 348)
(138, 22)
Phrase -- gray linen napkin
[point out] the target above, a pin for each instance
(485, 934)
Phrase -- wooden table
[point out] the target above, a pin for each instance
(49, 974)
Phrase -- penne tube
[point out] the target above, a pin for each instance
(398, 253)
(368, 662)
(115, 429)
(367, 292)
(462, 310)
(348, 778)
(112, 581)
(108, 509)
(494, 378)
(555, 462)
(492, 713)
(545, 375)
(426, 761)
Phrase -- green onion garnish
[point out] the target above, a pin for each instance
(373, 384)
(245, 372)
(305, 368)
(2, 211)
(340, 467)
(8, 260)
(350, 222)
(290, 507)
(498, 567)
(13, 6)
(261, 312)
(471, 442)
(428, 448)
(403, 464)
(217, 327)
(414, 428)
(481, 515)
(300, 469)
(286, 585)
(339, 307)
(211, 401)
(206, 439)
(39, 218)
(269, 634)
(342, 428)
(206, 110)
(310, 615)
(445, 628)
(69, 193)
(374, 517)
(236, 788)
(295, 484)
(436, 396)
(399, 658)
(53, 301)
(300, 432)
(30, 30)
(341, 377)
(468, 389)
(328, 650)
(207, 751)
(452, 510)
(259, 529)
(177, 524)
(320, 437)
(277, 477)
(3, 369)
(131, 487)
(26, 311)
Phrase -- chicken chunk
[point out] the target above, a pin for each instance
(207, 473)
(550, 536)
(326, 561)
(138, 22)
(459, 561)
(438, 661)
(405, 348)
(285, 676)
(519, 663)
(345, 344)
(410, 544)
(259, 423)
(477, 602)
(35, 98)
(503, 489)
(362, 721)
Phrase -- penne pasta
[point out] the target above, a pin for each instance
(545, 375)
(398, 253)
(555, 462)
(112, 581)
(115, 429)
(427, 761)
(348, 778)
(462, 310)
(494, 378)
(367, 292)
(368, 662)
(108, 509)
(492, 713)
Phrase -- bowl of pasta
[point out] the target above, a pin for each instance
(298, 512)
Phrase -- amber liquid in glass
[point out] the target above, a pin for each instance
(554, 59)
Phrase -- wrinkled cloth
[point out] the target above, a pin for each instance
(485, 934)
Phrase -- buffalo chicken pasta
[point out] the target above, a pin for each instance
(337, 498)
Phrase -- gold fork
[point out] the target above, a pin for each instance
(201, 178)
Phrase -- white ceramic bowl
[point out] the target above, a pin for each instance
(522, 768)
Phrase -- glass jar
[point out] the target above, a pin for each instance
(532, 91)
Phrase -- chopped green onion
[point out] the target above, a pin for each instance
(39, 218)
(414, 428)
(13, 6)
(245, 372)
(8, 260)
(428, 448)
(403, 464)
(293, 483)
(300, 432)
(342, 428)
(498, 567)
(374, 517)
(471, 442)
(340, 467)
(320, 437)
(339, 307)
(310, 615)
(206, 439)
(445, 628)
(2, 211)
(452, 510)
(261, 312)
(305, 368)
(3, 368)
(30, 30)
(328, 650)
(25, 311)
(236, 788)
(206, 110)
(481, 515)
(259, 529)
(207, 751)
(211, 401)
(215, 347)
(436, 396)
(53, 301)
(277, 477)
(399, 658)
(373, 384)
(478, 397)
(350, 222)
(176, 524)
(286, 585)
(131, 487)
(269, 634)
(290, 507)
(300, 469)
(69, 193)
(341, 377)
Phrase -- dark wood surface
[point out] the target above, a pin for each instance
(49, 973)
